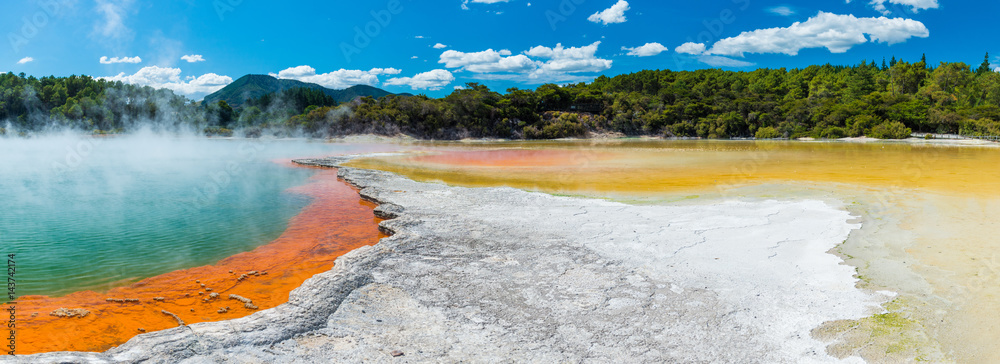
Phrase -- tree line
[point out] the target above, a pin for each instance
(890, 100)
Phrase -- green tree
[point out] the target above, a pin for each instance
(985, 66)
(225, 114)
(890, 130)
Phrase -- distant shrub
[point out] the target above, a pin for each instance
(861, 124)
(981, 127)
(833, 132)
(555, 130)
(768, 133)
(254, 132)
(218, 131)
(928, 136)
(555, 125)
(890, 130)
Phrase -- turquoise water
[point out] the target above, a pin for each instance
(95, 213)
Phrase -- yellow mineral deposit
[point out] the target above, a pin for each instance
(930, 214)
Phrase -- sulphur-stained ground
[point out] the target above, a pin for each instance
(503, 275)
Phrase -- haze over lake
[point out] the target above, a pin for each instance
(93, 213)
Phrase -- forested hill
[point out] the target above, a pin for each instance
(255, 86)
(885, 101)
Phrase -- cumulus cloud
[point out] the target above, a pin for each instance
(192, 58)
(647, 50)
(613, 15)
(440, 46)
(431, 80)
(106, 60)
(170, 78)
(488, 61)
(340, 79)
(574, 59)
(538, 64)
(691, 48)
(26, 60)
(837, 33)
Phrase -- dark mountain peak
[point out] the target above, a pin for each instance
(253, 86)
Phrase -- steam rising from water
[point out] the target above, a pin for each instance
(86, 212)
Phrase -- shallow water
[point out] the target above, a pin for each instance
(649, 167)
(166, 222)
(334, 223)
(929, 214)
(97, 213)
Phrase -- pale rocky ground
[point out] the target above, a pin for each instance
(502, 275)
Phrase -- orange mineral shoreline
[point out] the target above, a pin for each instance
(336, 222)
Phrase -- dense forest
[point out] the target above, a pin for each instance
(890, 100)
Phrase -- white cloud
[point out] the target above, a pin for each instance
(488, 61)
(613, 15)
(26, 60)
(837, 33)
(113, 24)
(719, 61)
(577, 59)
(106, 60)
(781, 10)
(419, 37)
(647, 50)
(339, 79)
(915, 5)
(465, 4)
(431, 80)
(440, 46)
(170, 78)
(537, 65)
(691, 48)
(192, 58)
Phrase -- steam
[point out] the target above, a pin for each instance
(78, 201)
(131, 110)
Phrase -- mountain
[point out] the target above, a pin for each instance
(252, 86)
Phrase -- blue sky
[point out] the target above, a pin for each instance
(197, 46)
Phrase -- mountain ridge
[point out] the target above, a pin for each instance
(254, 86)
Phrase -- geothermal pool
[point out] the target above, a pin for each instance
(96, 223)
(928, 213)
